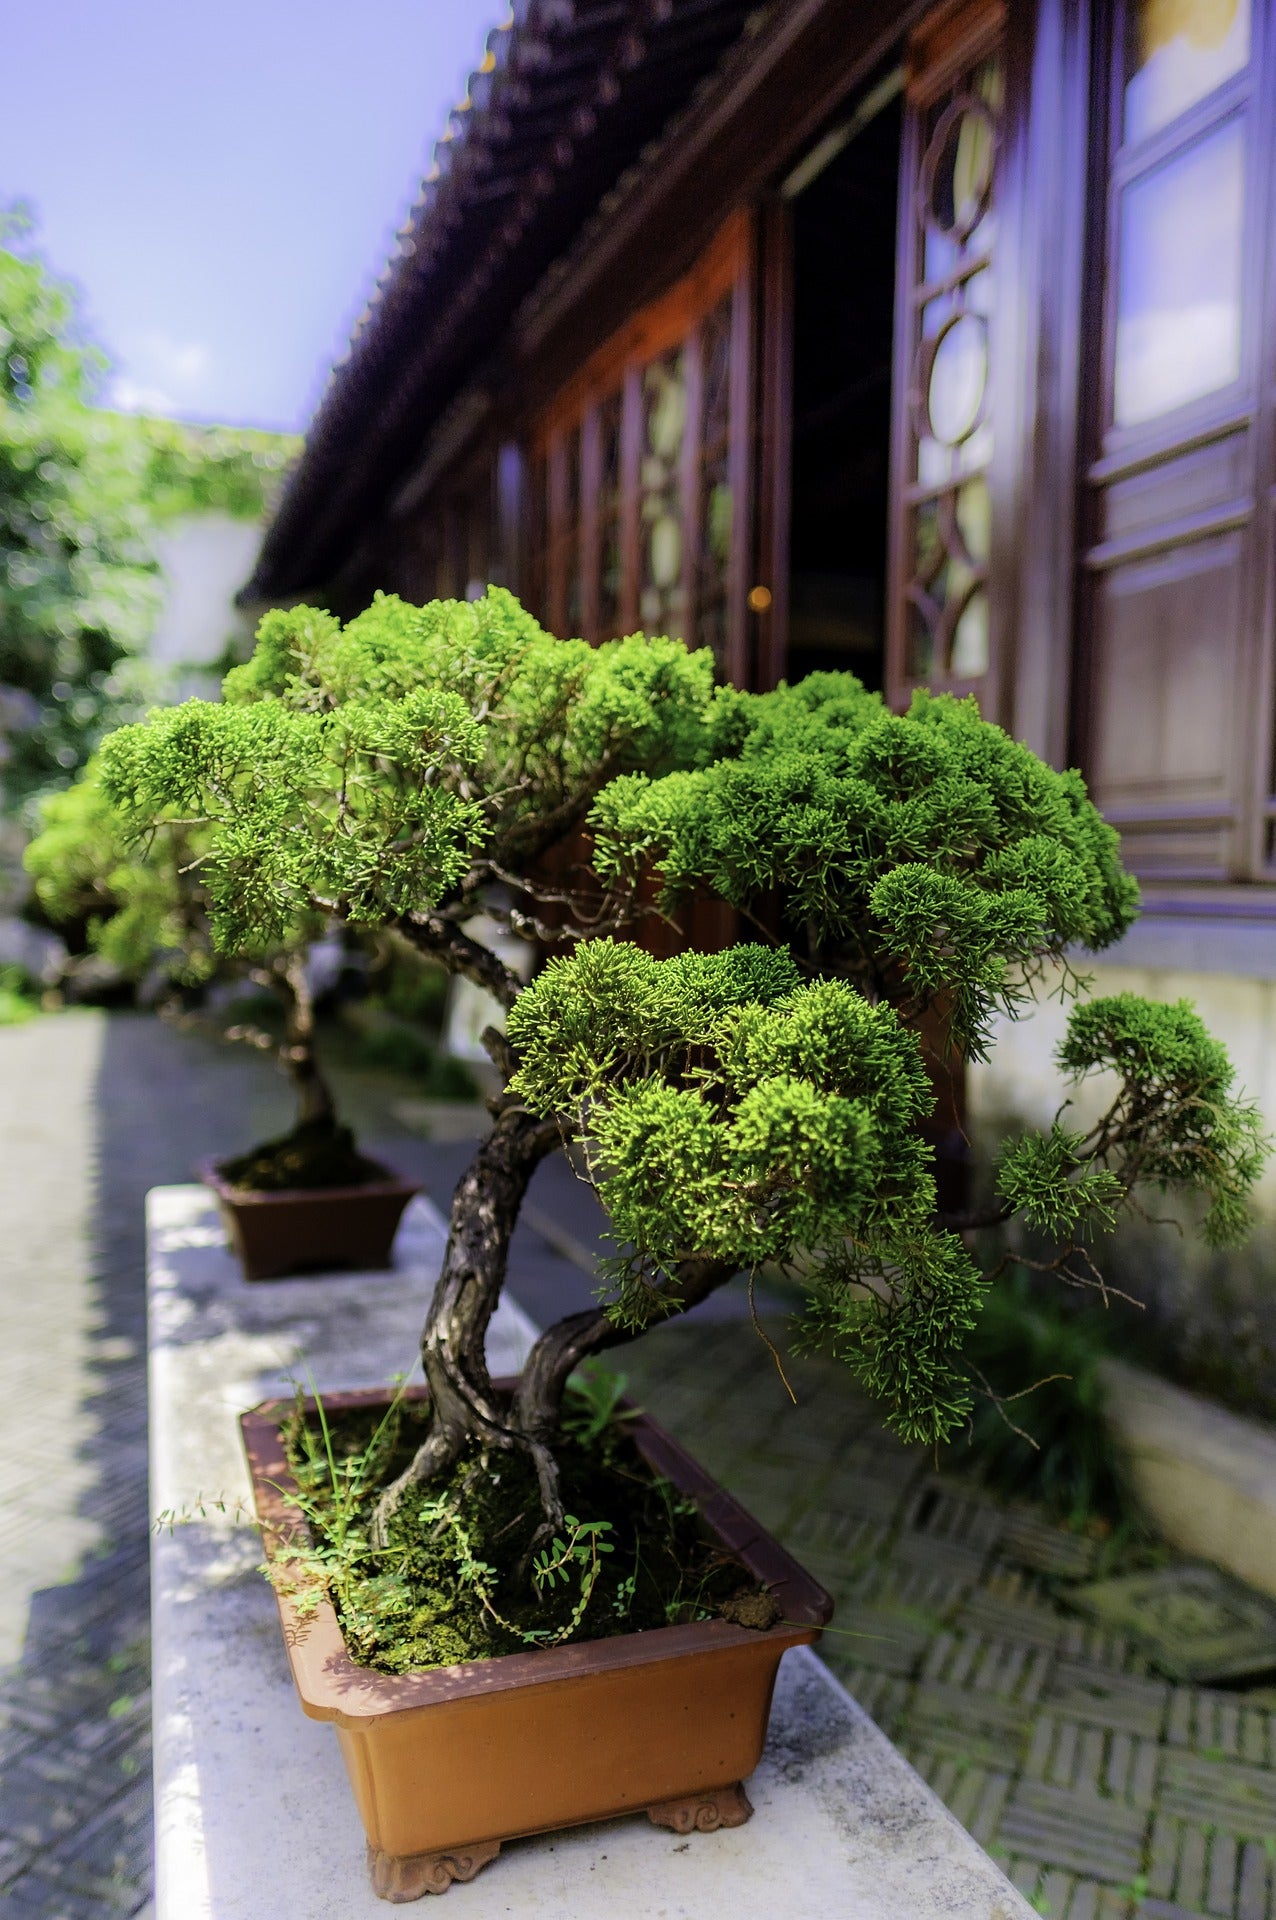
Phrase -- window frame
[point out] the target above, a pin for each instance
(946, 45)
(1126, 164)
(673, 320)
(1239, 416)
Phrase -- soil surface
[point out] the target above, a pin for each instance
(461, 1578)
(317, 1155)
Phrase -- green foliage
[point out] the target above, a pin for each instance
(299, 808)
(17, 1002)
(1175, 1123)
(78, 586)
(1036, 1427)
(136, 909)
(1050, 1179)
(406, 984)
(593, 1403)
(730, 1113)
(404, 1047)
(382, 768)
(83, 492)
(191, 469)
(898, 1308)
(928, 855)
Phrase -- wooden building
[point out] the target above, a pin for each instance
(938, 343)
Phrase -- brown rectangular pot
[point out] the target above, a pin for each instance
(311, 1229)
(447, 1763)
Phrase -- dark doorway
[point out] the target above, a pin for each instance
(843, 328)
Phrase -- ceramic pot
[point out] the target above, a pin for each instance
(448, 1763)
(311, 1229)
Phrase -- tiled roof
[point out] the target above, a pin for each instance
(567, 97)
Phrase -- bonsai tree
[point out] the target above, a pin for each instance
(764, 1104)
(144, 907)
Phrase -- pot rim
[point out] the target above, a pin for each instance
(333, 1686)
(390, 1187)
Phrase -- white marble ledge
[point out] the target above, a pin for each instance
(254, 1819)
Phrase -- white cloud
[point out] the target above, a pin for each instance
(161, 375)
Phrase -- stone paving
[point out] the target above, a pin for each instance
(1106, 1792)
(74, 1660)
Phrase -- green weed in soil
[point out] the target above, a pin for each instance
(456, 1583)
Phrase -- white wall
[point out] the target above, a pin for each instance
(205, 559)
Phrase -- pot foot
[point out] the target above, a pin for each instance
(703, 1812)
(403, 1877)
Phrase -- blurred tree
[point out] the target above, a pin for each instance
(79, 587)
(82, 492)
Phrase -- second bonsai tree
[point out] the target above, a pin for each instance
(143, 906)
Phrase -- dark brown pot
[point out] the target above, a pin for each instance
(311, 1229)
(448, 1763)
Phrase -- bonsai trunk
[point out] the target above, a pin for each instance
(315, 1104)
(485, 1209)
(464, 1405)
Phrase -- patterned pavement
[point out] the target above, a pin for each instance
(1105, 1792)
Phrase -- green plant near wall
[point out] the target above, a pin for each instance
(78, 585)
(763, 1105)
(1050, 1443)
(83, 492)
(188, 469)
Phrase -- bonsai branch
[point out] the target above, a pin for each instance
(459, 953)
(561, 1348)
(1087, 1274)
(538, 1399)
(974, 1219)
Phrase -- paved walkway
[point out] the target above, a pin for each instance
(1106, 1793)
(1103, 1791)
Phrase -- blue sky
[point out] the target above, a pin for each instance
(224, 181)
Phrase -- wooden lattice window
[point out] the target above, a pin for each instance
(535, 581)
(610, 536)
(717, 495)
(662, 595)
(565, 541)
(940, 626)
(647, 458)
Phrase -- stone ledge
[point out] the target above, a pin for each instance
(254, 1817)
(1206, 1476)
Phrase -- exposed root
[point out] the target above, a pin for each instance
(434, 1456)
(547, 1479)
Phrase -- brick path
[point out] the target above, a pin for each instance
(1105, 1792)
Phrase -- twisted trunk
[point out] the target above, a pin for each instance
(464, 1405)
(485, 1209)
